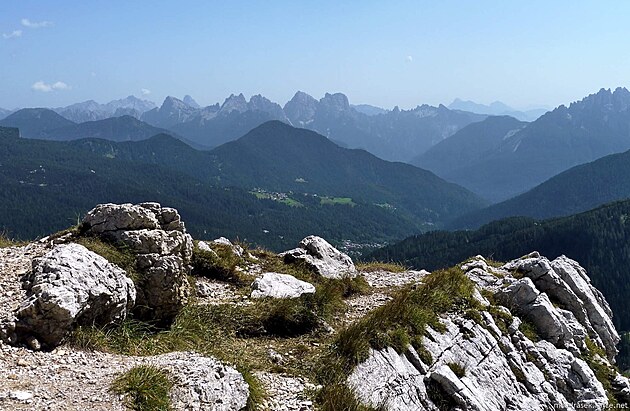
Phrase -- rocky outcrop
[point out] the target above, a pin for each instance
(70, 286)
(322, 257)
(486, 362)
(157, 237)
(276, 285)
(203, 383)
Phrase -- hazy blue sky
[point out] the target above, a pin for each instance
(524, 53)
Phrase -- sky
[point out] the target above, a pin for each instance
(525, 53)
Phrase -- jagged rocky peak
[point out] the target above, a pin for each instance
(337, 102)
(605, 100)
(301, 108)
(189, 101)
(234, 103)
(172, 103)
(261, 103)
(539, 337)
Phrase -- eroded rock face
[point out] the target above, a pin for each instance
(203, 383)
(70, 286)
(500, 368)
(163, 251)
(325, 259)
(276, 285)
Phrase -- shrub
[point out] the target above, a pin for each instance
(222, 265)
(145, 388)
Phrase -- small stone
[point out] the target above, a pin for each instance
(33, 343)
(23, 363)
(21, 395)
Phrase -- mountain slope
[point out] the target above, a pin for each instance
(32, 121)
(589, 129)
(496, 108)
(578, 189)
(124, 128)
(282, 158)
(46, 185)
(278, 158)
(465, 147)
(599, 238)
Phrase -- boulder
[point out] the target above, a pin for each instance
(70, 286)
(322, 257)
(276, 285)
(163, 250)
(105, 218)
(203, 383)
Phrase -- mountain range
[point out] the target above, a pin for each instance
(272, 187)
(496, 108)
(91, 110)
(395, 135)
(510, 158)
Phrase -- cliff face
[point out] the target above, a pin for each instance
(542, 339)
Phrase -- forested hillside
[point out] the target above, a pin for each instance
(598, 239)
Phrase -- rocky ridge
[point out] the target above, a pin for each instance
(490, 361)
(541, 337)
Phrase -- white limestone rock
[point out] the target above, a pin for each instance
(503, 369)
(203, 383)
(275, 285)
(325, 259)
(105, 218)
(70, 286)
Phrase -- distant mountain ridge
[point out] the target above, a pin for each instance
(575, 190)
(392, 135)
(277, 179)
(91, 110)
(593, 127)
(497, 108)
(48, 125)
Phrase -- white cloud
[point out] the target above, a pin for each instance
(45, 87)
(60, 85)
(13, 34)
(409, 59)
(145, 92)
(35, 24)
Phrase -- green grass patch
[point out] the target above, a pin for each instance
(529, 330)
(5, 241)
(337, 200)
(220, 264)
(368, 267)
(339, 397)
(120, 256)
(281, 199)
(145, 388)
(457, 369)
(603, 372)
(400, 322)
